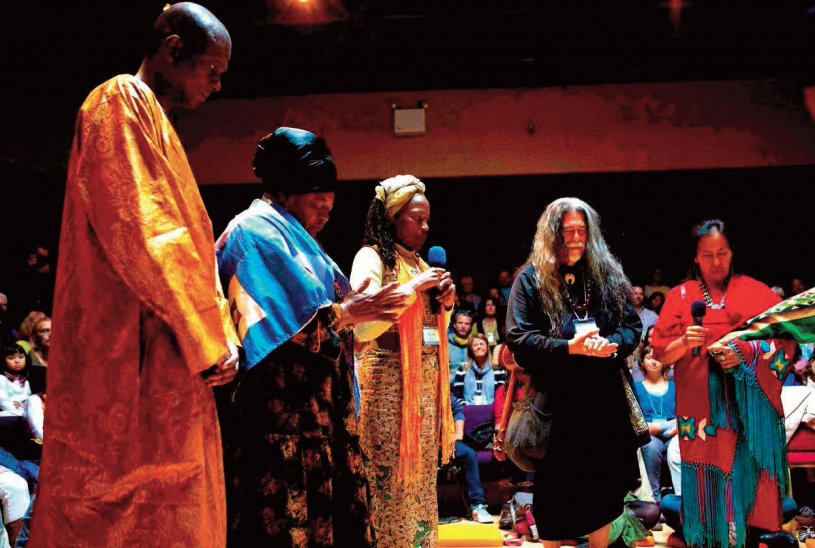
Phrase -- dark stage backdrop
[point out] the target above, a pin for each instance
(487, 223)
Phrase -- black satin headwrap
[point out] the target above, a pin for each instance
(294, 161)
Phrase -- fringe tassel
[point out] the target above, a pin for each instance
(760, 426)
(713, 499)
(744, 481)
(444, 411)
(717, 390)
(705, 505)
(410, 335)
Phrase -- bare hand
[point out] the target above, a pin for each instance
(427, 279)
(694, 336)
(385, 305)
(653, 429)
(723, 355)
(577, 345)
(448, 291)
(224, 369)
(599, 347)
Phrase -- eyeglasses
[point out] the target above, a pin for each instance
(570, 232)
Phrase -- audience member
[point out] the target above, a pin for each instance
(638, 355)
(656, 284)
(476, 383)
(28, 469)
(797, 286)
(647, 317)
(466, 458)
(467, 300)
(6, 328)
(36, 285)
(657, 397)
(505, 283)
(489, 323)
(41, 339)
(22, 537)
(16, 398)
(655, 302)
(25, 335)
(15, 498)
(459, 341)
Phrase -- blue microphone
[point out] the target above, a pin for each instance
(436, 258)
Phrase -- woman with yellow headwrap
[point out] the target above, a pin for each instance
(405, 414)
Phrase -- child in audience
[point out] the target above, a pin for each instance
(16, 399)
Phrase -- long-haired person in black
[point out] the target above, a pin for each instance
(570, 327)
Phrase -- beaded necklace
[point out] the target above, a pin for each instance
(586, 292)
(706, 295)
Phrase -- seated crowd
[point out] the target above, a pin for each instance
(476, 329)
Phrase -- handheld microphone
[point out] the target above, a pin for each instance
(697, 312)
(436, 258)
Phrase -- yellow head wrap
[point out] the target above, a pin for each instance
(397, 191)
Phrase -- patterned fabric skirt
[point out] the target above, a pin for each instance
(293, 462)
(404, 516)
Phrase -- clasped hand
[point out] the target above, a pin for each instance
(592, 344)
(440, 279)
(224, 369)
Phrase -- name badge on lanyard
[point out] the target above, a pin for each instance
(430, 336)
(584, 326)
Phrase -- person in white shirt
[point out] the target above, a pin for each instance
(16, 399)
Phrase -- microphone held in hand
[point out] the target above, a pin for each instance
(697, 312)
(436, 258)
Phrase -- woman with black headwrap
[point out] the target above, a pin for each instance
(294, 465)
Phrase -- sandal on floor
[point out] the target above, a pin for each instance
(513, 539)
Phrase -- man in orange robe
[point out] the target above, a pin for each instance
(132, 450)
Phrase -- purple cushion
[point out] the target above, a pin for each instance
(483, 457)
(476, 414)
(473, 416)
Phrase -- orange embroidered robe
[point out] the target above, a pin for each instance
(132, 450)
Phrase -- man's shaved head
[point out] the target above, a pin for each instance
(195, 25)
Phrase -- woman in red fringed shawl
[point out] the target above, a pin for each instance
(728, 404)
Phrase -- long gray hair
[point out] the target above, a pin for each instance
(609, 283)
